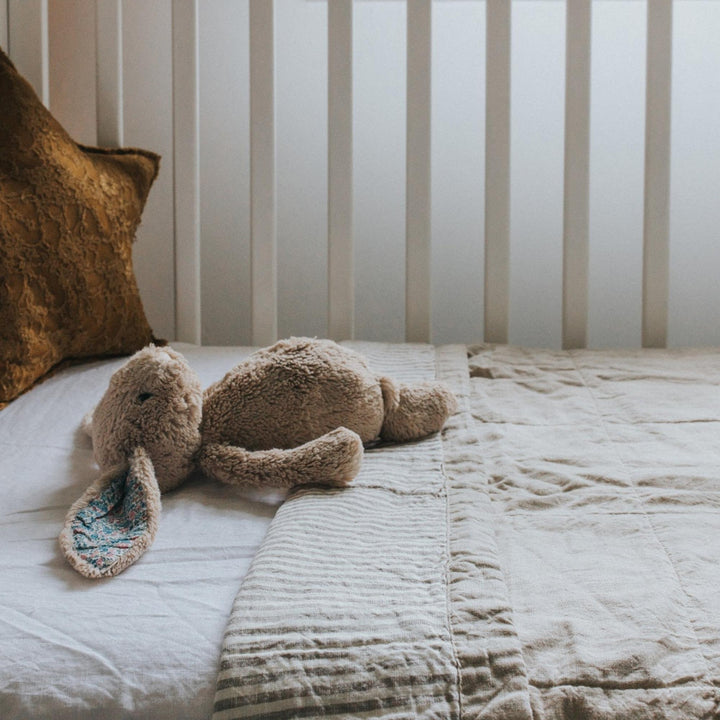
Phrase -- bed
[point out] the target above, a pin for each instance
(551, 554)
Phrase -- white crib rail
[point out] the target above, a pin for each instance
(24, 29)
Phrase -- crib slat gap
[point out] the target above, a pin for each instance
(186, 170)
(28, 43)
(109, 75)
(497, 171)
(656, 228)
(263, 232)
(4, 24)
(341, 301)
(577, 174)
(418, 199)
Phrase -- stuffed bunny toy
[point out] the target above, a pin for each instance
(298, 412)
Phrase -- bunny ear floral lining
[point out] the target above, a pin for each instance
(115, 520)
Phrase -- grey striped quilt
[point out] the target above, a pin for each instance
(552, 555)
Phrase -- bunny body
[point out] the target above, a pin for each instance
(294, 413)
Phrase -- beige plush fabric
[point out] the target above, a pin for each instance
(318, 401)
(154, 402)
(552, 555)
(295, 413)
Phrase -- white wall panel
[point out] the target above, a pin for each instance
(379, 122)
(617, 128)
(302, 167)
(186, 169)
(498, 44)
(147, 80)
(656, 230)
(576, 173)
(341, 274)
(224, 173)
(109, 73)
(263, 182)
(536, 216)
(3, 24)
(28, 43)
(418, 312)
(71, 75)
(458, 180)
(695, 180)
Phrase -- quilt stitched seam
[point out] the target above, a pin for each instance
(447, 572)
(448, 604)
(691, 624)
(498, 514)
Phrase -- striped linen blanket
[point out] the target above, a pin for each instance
(553, 554)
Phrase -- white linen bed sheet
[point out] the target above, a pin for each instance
(146, 643)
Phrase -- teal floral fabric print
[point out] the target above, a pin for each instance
(109, 525)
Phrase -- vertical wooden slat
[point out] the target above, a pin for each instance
(656, 231)
(417, 219)
(28, 43)
(262, 173)
(577, 174)
(109, 76)
(186, 170)
(497, 171)
(341, 296)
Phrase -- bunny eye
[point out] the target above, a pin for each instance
(142, 397)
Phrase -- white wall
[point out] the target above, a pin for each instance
(538, 57)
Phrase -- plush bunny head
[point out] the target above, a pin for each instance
(146, 433)
(154, 402)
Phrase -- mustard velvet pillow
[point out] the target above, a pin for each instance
(68, 216)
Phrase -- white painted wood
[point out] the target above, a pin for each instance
(537, 140)
(617, 157)
(109, 76)
(577, 174)
(187, 174)
(418, 177)
(4, 24)
(28, 43)
(657, 174)
(263, 223)
(224, 173)
(497, 171)
(379, 168)
(148, 123)
(341, 280)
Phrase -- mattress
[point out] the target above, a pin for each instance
(551, 555)
(146, 643)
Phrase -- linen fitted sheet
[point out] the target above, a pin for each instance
(144, 644)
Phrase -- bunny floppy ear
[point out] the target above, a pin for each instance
(114, 521)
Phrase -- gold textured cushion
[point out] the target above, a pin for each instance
(68, 216)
